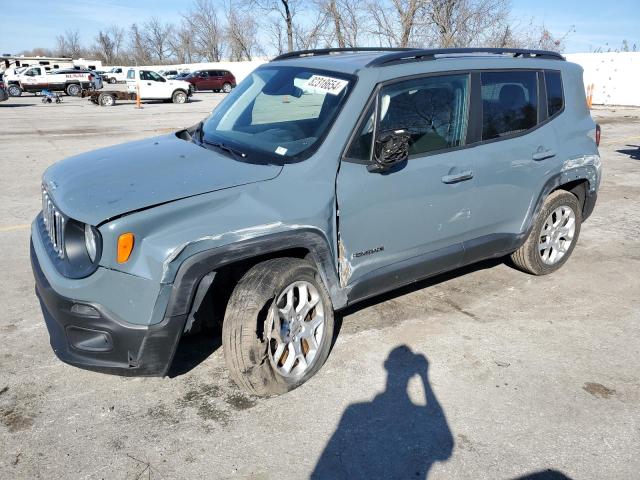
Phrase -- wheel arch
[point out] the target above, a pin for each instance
(230, 261)
(581, 182)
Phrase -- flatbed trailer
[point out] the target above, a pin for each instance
(107, 98)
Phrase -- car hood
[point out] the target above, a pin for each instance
(97, 186)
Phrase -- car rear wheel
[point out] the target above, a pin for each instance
(73, 90)
(278, 327)
(106, 100)
(226, 88)
(14, 90)
(112, 80)
(179, 97)
(553, 237)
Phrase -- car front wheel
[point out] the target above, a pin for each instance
(553, 237)
(226, 88)
(278, 326)
(179, 97)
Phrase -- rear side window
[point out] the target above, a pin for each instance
(131, 74)
(555, 98)
(509, 103)
(432, 110)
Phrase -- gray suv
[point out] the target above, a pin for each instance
(325, 178)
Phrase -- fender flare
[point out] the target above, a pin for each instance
(587, 173)
(194, 268)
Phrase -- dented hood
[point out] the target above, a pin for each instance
(100, 185)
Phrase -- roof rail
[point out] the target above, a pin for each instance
(330, 51)
(416, 54)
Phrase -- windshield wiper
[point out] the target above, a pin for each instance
(237, 154)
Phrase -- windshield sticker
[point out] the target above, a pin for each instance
(320, 84)
(281, 151)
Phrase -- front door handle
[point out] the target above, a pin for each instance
(148, 83)
(542, 154)
(458, 177)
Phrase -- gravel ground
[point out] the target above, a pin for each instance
(482, 373)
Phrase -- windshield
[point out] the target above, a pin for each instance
(279, 113)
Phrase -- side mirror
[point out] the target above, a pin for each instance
(391, 148)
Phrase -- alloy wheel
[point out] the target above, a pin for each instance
(295, 329)
(557, 235)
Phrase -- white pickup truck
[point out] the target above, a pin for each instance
(115, 75)
(153, 86)
(71, 81)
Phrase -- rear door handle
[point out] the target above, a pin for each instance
(541, 154)
(148, 83)
(458, 177)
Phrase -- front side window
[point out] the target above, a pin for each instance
(555, 99)
(150, 76)
(432, 110)
(362, 143)
(282, 113)
(509, 103)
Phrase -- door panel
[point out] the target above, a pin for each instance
(511, 172)
(422, 207)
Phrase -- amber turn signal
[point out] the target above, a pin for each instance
(125, 246)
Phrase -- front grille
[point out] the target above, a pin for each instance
(54, 221)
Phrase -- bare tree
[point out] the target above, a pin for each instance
(242, 30)
(346, 20)
(156, 38)
(69, 44)
(310, 36)
(182, 44)
(207, 31)
(138, 46)
(458, 23)
(395, 21)
(285, 10)
(109, 45)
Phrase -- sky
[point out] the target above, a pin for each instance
(27, 24)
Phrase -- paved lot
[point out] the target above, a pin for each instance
(519, 374)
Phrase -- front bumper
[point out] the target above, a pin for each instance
(88, 336)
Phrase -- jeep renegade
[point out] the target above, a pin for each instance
(325, 178)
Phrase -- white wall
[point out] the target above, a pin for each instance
(615, 76)
(239, 69)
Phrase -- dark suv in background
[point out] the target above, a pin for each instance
(215, 80)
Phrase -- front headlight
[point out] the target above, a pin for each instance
(90, 242)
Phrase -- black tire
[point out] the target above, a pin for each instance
(527, 258)
(14, 91)
(226, 88)
(244, 337)
(112, 80)
(106, 100)
(179, 96)
(73, 90)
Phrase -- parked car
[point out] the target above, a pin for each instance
(115, 75)
(71, 81)
(169, 74)
(4, 95)
(321, 181)
(153, 86)
(215, 80)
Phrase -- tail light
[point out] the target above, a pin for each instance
(597, 135)
(90, 77)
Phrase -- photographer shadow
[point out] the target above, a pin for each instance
(390, 437)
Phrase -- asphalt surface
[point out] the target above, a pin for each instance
(483, 373)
